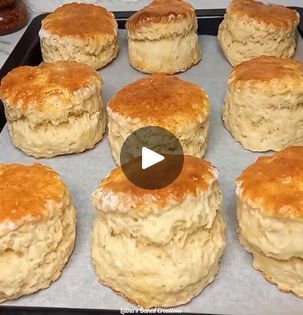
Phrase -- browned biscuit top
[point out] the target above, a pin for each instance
(28, 86)
(196, 175)
(275, 183)
(162, 100)
(267, 68)
(80, 20)
(163, 11)
(26, 192)
(273, 14)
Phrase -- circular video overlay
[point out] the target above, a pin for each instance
(151, 157)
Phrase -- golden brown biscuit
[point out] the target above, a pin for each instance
(81, 32)
(37, 228)
(162, 37)
(159, 247)
(165, 101)
(262, 106)
(54, 109)
(251, 29)
(270, 217)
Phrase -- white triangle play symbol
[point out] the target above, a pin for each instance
(150, 158)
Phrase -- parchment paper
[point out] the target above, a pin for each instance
(238, 288)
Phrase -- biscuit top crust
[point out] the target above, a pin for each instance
(271, 14)
(162, 100)
(161, 11)
(282, 74)
(27, 193)
(52, 88)
(275, 183)
(117, 192)
(80, 20)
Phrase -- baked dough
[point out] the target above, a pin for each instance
(270, 217)
(263, 103)
(54, 109)
(165, 101)
(159, 247)
(251, 29)
(81, 32)
(37, 228)
(162, 37)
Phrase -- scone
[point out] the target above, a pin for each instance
(165, 101)
(159, 247)
(37, 228)
(54, 109)
(81, 32)
(270, 217)
(251, 29)
(162, 37)
(263, 103)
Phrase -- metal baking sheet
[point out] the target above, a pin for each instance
(238, 288)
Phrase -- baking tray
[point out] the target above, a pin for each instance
(238, 288)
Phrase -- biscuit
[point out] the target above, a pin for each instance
(165, 101)
(54, 109)
(162, 37)
(37, 228)
(251, 29)
(159, 247)
(81, 32)
(270, 212)
(263, 103)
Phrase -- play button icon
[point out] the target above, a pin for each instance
(151, 157)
